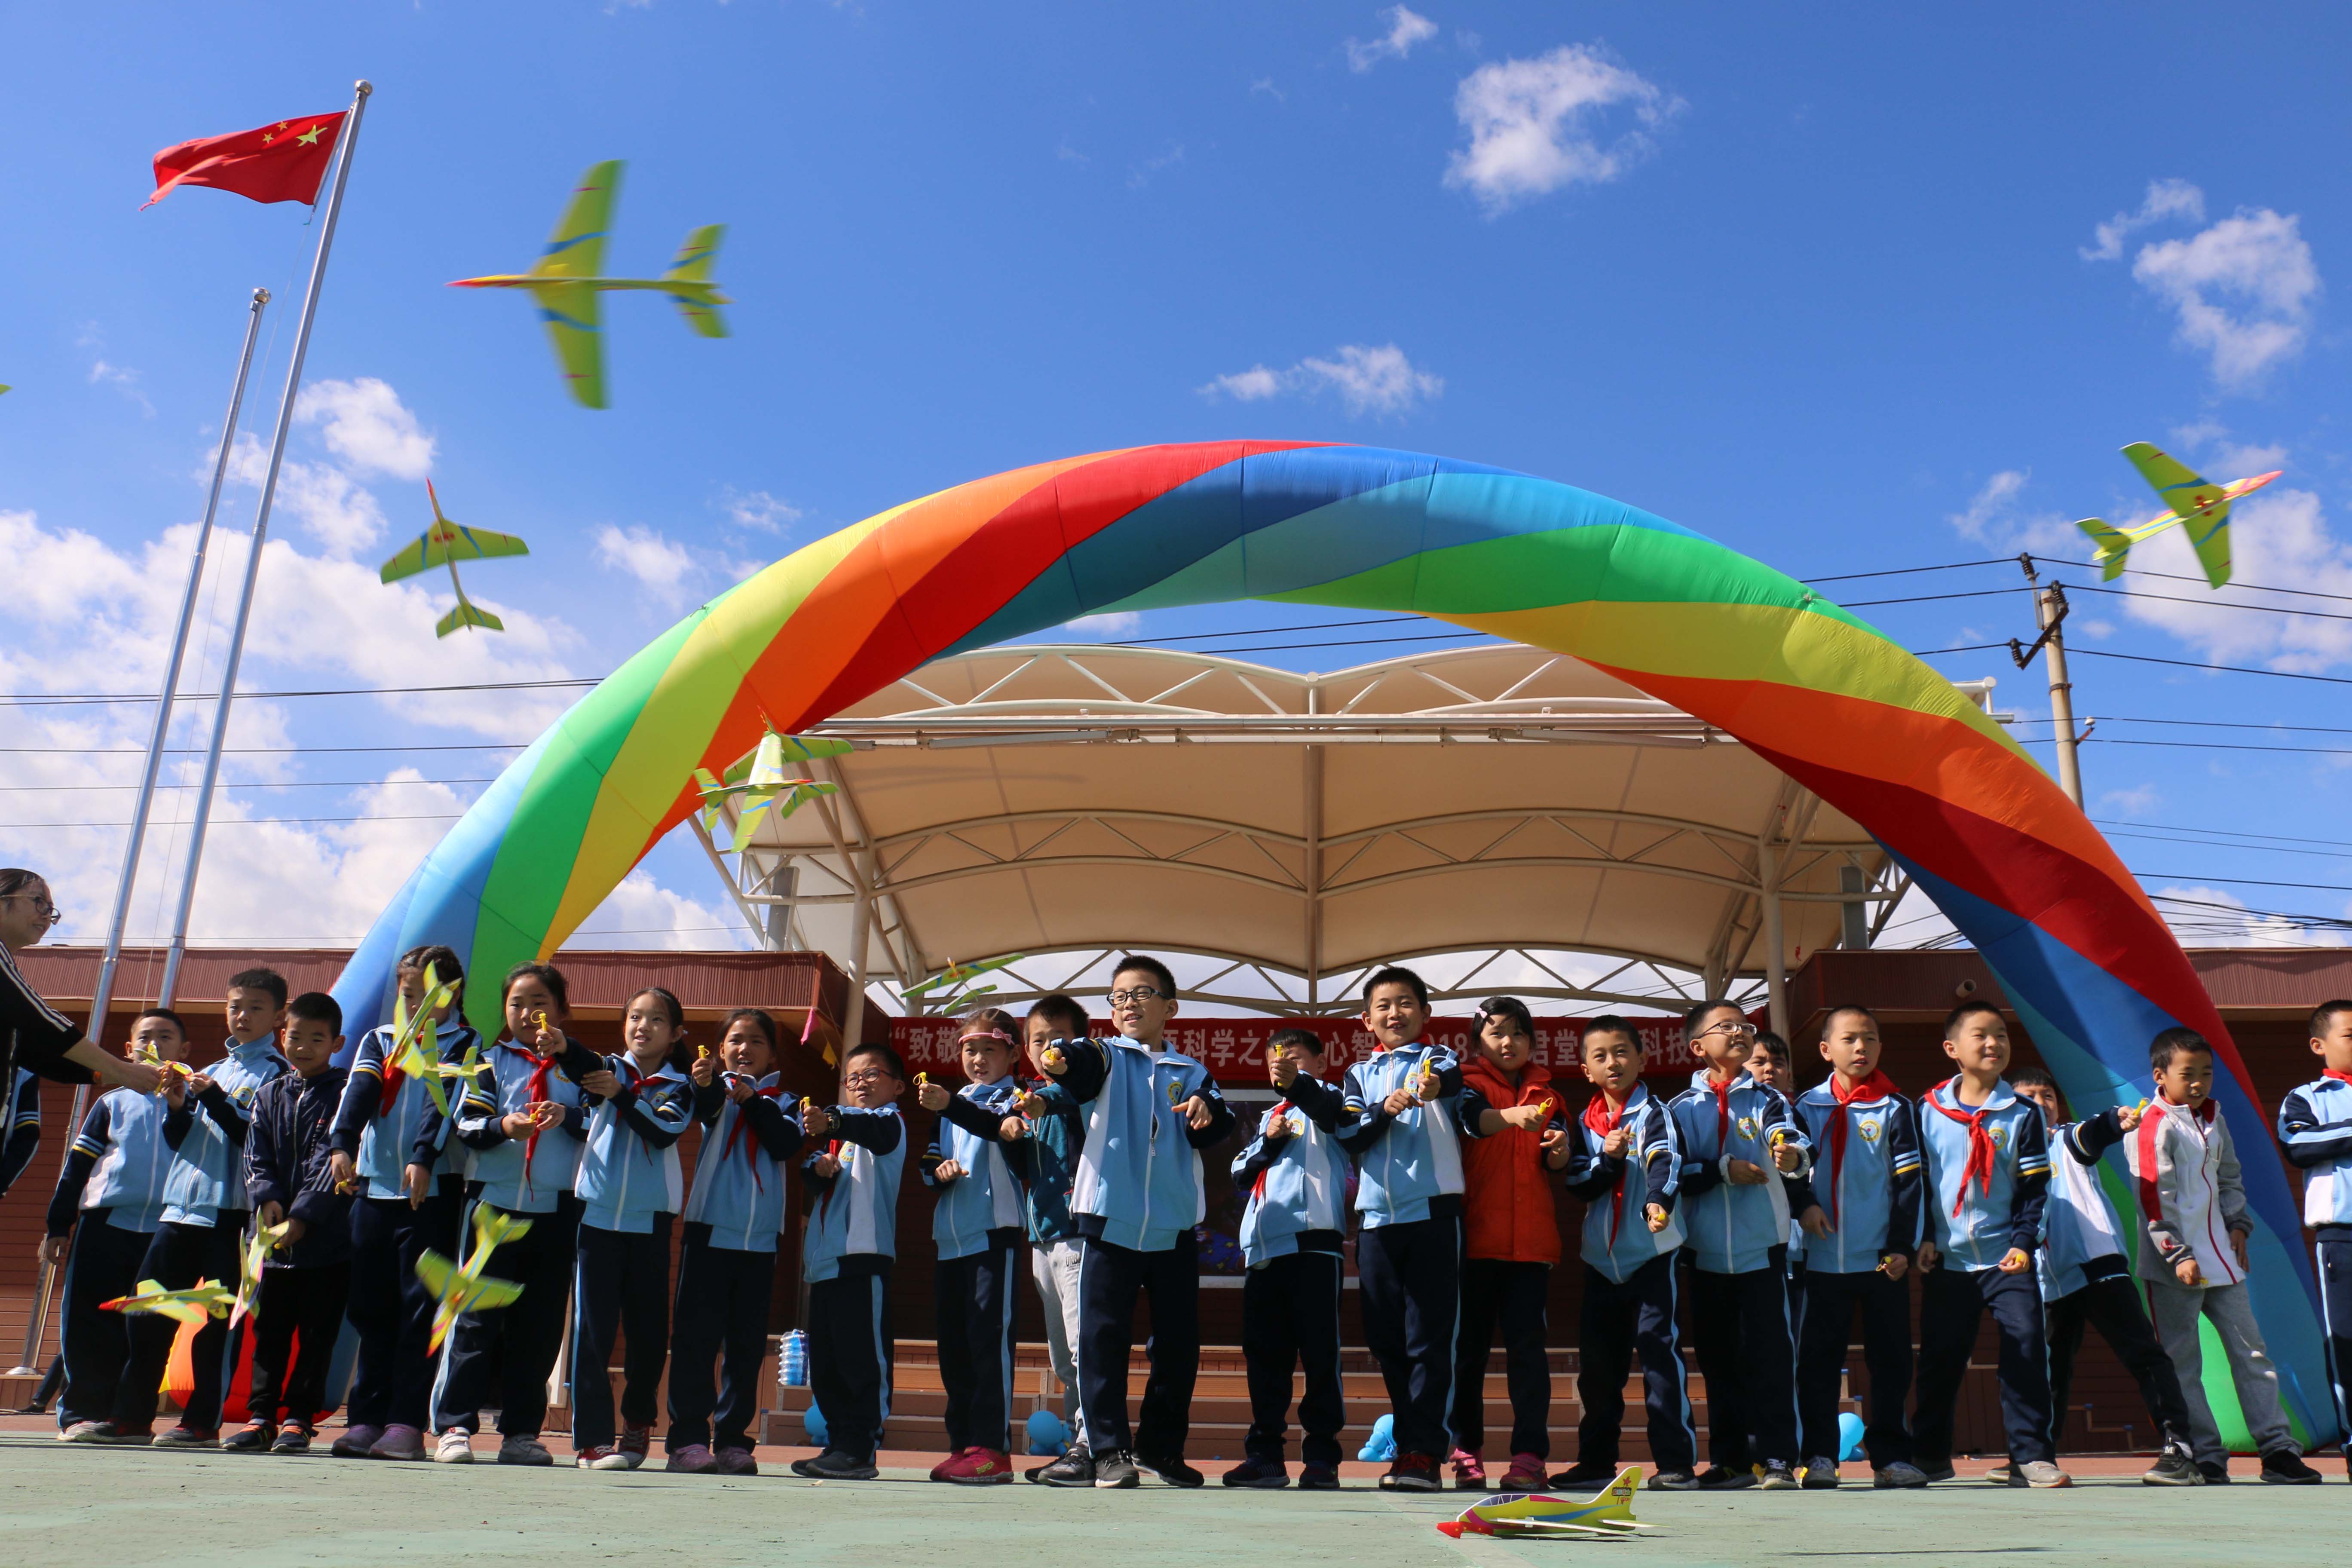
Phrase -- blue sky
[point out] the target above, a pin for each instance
(1829, 284)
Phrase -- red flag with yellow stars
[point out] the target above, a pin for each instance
(281, 163)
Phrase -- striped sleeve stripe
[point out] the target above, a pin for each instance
(86, 1146)
(9, 970)
(1907, 1164)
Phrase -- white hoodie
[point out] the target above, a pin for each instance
(2190, 1193)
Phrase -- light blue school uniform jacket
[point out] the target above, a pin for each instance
(1406, 1162)
(124, 1133)
(740, 1175)
(2081, 1242)
(1617, 1190)
(987, 1196)
(1870, 1193)
(2315, 1130)
(853, 1214)
(520, 1175)
(1733, 1227)
(385, 1143)
(1979, 1218)
(208, 1161)
(1298, 1183)
(1139, 1182)
(628, 1163)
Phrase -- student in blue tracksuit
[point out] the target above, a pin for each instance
(629, 1189)
(1625, 1162)
(1045, 1152)
(2085, 1282)
(847, 1248)
(21, 1119)
(108, 1202)
(2315, 1130)
(727, 1265)
(396, 1155)
(1399, 1126)
(976, 1226)
(1294, 1230)
(1859, 1235)
(1769, 1063)
(1987, 1159)
(1140, 1199)
(204, 1208)
(1739, 1141)
(523, 1119)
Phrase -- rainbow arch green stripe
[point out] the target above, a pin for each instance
(1827, 698)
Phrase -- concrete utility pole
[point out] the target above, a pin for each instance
(2050, 612)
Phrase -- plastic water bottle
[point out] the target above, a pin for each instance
(792, 1366)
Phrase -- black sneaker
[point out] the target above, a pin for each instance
(1318, 1477)
(1584, 1473)
(1075, 1469)
(2285, 1467)
(833, 1465)
(1171, 1468)
(2215, 1471)
(1115, 1470)
(1412, 1473)
(1672, 1481)
(1265, 1475)
(1716, 1479)
(2173, 1468)
(1778, 1476)
(254, 1439)
(292, 1438)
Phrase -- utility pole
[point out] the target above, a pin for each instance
(2049, 612)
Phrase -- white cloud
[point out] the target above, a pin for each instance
(2140, 800)
(1532, 124)
(1369, 380)
(367, 426)
(2243, 290)
(641, 912)
(666, 567)
(1406, 28)
(1265, 85)
(2206, 917)
(1111, 623)
(1167, 158)
(123, 380)
(757, 508)
(325, 499)
(2278, 538)
(2166, 199)
(1994, 517)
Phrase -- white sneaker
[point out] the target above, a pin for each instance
(2043, 1473)
(456, 1447)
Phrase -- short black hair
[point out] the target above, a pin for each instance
(1509, 1007)
(669, 1002)
(268, 980)
(2031, 1077)
(1307, 1039)
(1064, 1012)
(177, 1022)
(547, 975)
(441, 959)
(890, 1059)
(2322, 1018)
(316, 1006)
(1774, 1046)
(1144, 963)
(1968, 1009)
(1397, 975)
(1609, 1024)
(2170, 1043)
(1831, 1017)
(1693, 1016)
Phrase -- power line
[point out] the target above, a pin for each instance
(2206, 724)
(290, 784)
(242, 821)
(1269, 631)
(2224, 669)
(1907, 571)
(253, 751)
(2206, 745)
(2182, 577)
(2210, 602)
(2238, 881)
(1931, 598)
(2234, 832)
(75, 699)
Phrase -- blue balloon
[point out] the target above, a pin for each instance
(1046, 1433)
(1381, 1447)
(812, 1422)
(1849, 1436)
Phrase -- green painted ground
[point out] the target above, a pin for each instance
(80, 1507)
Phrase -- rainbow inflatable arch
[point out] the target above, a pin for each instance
(2084, 958)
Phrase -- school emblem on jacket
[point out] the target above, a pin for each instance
(1869, 1126)
(1747, 1126)
(2000, 1136)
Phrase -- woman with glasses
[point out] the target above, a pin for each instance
(33, 1034)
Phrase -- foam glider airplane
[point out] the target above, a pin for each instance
(464, 1287)
(956, 977)
(2198, 505)
(205, 1299)
(1607, 1515)
(762, 786)
(444, 544)
(565, 282)
(265, 1240)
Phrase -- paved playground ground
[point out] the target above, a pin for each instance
(62, 1506)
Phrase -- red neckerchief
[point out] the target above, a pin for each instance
(1281, 1108)
(2338, 1074)
(637, 1081)
(393, 1077)
(831, 1152)
(2151, 1122)
(1722, 1109)
(1603, 1120)
(1982, 1154)
(1877, 1086)
(751, 1146)
(540, 1068)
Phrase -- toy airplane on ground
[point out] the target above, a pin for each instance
(760, 786)
(205, 1299)
(565, 284)
(264, 1241)
(2197, 504)
(464, 1287)
(1608, 1515)
(444, 544)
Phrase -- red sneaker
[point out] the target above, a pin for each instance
(940, 1471)
(977, 1468)
(1469, 1472)
(636, 1442)
(1526, 1474)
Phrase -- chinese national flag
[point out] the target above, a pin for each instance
(281, 163)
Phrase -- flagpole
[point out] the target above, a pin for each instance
(350, 140)
(103, 997)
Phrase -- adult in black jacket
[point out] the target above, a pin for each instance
(33, 1034)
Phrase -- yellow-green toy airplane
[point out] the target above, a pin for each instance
(464, 1287)
(205, 1299)
(265, 1240)
(2198, 505)
(761, 786)
(444, 544)
(1608, 1513)
(565, 283)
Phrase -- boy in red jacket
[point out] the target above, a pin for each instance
(1517, 1125)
